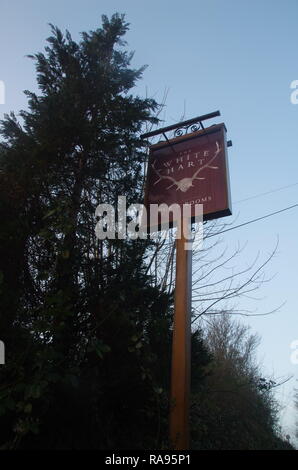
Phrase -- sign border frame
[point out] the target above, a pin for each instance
(209, 130)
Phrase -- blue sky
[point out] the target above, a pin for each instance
(236, 56)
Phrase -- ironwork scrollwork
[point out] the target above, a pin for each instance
(186, 129)
(178, 132)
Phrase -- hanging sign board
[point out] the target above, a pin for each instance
(191, 169)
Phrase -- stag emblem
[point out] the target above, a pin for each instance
(185, 183)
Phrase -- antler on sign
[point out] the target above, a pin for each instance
(185, 183)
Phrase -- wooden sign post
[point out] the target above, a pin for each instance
(181, 346)
(192, 169)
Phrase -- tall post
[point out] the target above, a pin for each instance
(180, 375)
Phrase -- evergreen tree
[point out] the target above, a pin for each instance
(82, 324)
(87, 331)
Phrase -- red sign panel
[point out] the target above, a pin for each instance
(192, 169)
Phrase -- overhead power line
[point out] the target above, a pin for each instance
(252, 221)
(267, 192)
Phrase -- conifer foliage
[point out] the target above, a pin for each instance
(87, 331)
(81, 322)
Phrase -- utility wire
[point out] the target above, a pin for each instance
(252, 221)
(268, 192)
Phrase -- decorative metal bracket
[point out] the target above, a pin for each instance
(193, 124)
(182, 128)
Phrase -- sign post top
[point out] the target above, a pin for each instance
(188, 136)
(183, 124)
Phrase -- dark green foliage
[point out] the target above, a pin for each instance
(87, 332)
(81, 322)
(88, 337)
